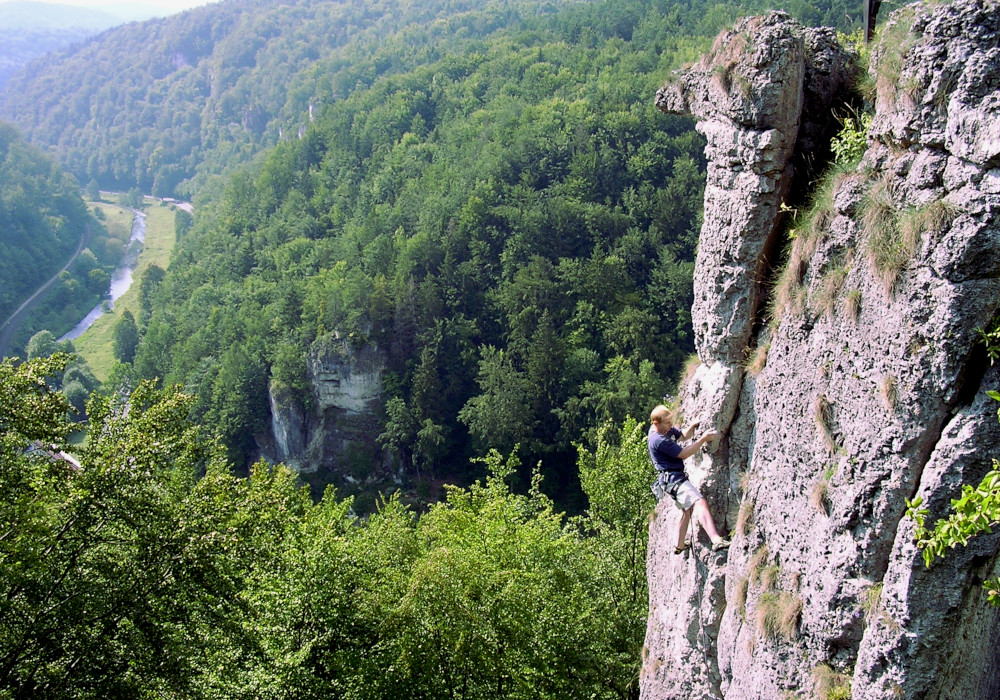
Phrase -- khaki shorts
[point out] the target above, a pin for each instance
(686, 495)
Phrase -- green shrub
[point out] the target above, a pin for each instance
(849, 145)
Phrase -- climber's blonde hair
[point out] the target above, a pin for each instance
(657, 415)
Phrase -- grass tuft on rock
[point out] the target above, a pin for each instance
(758, 360)
(756, 563)
(829, 684)
(777, 614)
(823, 417)
(744, 519)
(852, 304)
(817, 496)
(740, 595)
(889, 392)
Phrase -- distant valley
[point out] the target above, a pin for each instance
(473, 209)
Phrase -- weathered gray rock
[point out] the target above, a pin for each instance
(923, 609)
(747, 94)
(873, 391)
(335, 432)
(937, 78)
(289, 429)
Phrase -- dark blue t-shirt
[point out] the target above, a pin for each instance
(663, 450)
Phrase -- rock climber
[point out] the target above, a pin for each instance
(668, 457)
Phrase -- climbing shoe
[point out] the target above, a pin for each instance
(720, 545)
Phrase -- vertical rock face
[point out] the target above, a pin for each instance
(339, 428)
(874, 386)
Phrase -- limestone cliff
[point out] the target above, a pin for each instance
(333, 434)
(859, 385)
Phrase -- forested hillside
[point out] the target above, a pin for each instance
(29, 30)
(156, 103)
(484, 192)
(512, 222)
(142, 567)
(206, 89)
(42, 219)
(508, 217)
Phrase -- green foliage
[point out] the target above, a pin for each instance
(615, 477)
(42, 219)
(178, 100)
(990, 337)
(43, 223)
(183, 221)
(467, 177)
(149, 282)
(76, 380)
(125, 337)
(42, 344)
(977, 510)
(101, 567)
(831, 684)
(133, 198)
(141, 567)
(507, 217)
(849, 145)
(496, 415)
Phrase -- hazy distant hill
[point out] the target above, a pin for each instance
(32, 29)
(157, 103)
(27, 14)
(23, 14)
(150, 103)
(18, 47)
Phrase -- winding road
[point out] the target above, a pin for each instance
(13, 323)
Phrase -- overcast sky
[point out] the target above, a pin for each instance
(132, 8)
(172, 5)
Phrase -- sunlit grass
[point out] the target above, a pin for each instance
(95, 345)
(117, 221)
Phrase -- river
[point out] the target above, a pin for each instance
(121, 279)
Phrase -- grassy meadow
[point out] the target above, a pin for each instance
(95, 345)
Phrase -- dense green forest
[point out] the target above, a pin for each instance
(483, 192)
(166, 103)
(43, 221)
(490, 199)
(19, 46)
(511, 221)
(151, 571)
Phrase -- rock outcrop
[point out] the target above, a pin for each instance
(335, 428)
(858, 386)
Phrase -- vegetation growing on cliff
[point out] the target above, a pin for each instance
(975, 511)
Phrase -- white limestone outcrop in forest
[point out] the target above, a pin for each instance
(338, 422)
(843, 369)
